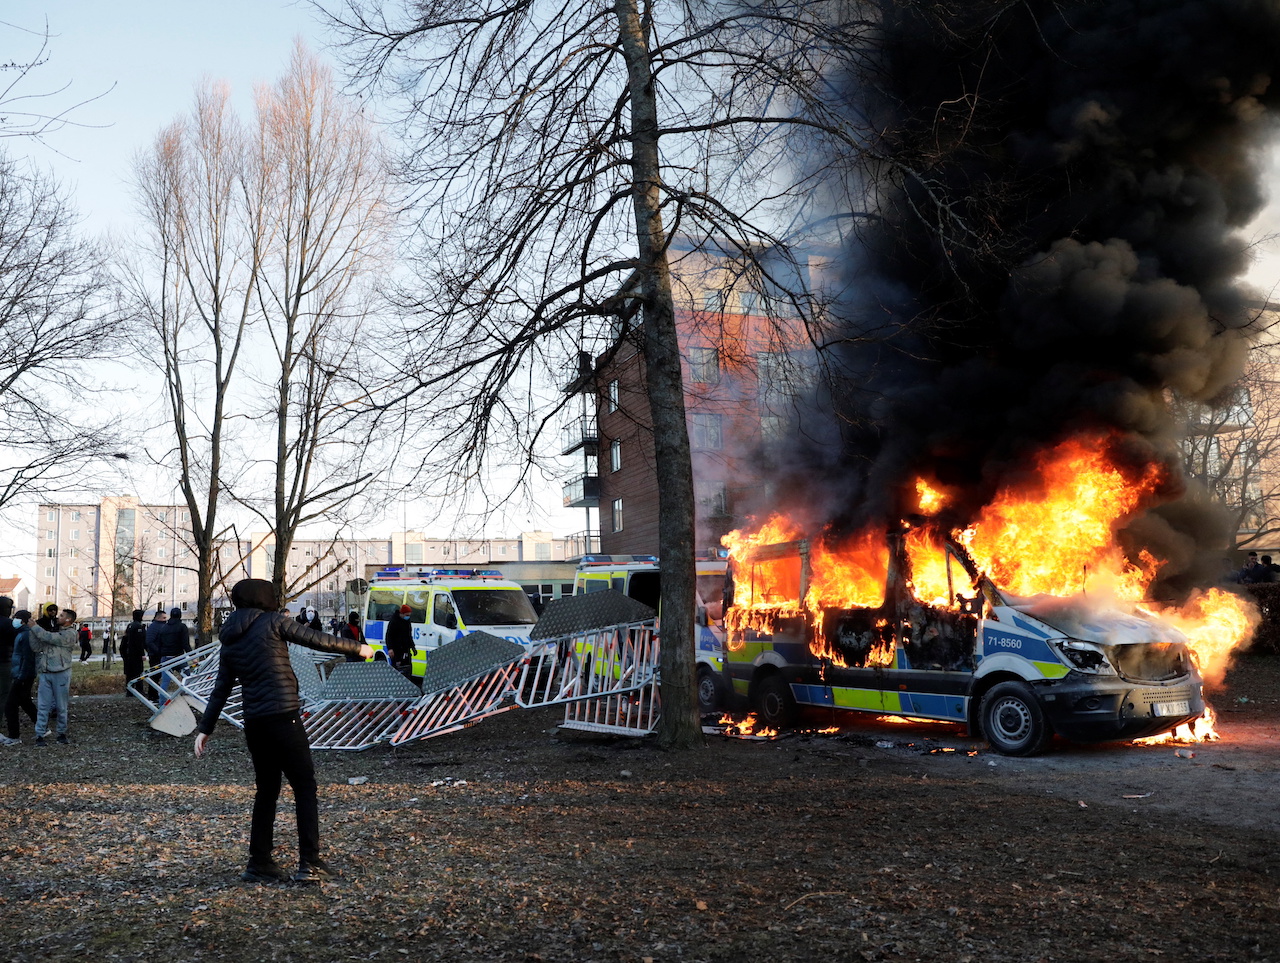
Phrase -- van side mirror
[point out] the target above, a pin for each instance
(450, 621)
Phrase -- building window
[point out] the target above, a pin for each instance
(617, 514)
(48, 571)
(613, 395)
(704, 366)
(50, 553)
(162, 553)
(75, 516)
(706, 435)
(184, 606)
(542, 552)
(75, 552)
(750, 301)
(75, 571)
(75, 534)
(48, 590)
(444, 550)
(182, 515)
(182, 589)
(48, 535)
(713, 300)
(615, 455)
(162, 516)
(772, 427)
(50, 516)
(413, 552)
(502, 550)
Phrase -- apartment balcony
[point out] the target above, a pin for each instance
(580, 433)
(582, 492)
(581, 543)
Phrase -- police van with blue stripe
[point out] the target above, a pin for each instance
(446, 604)
(1015, 671)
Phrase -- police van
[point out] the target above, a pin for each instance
(1014, 670)
(446, 604)
(640, 577)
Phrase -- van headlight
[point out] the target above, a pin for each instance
(1084, 656)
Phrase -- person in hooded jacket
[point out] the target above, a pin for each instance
(255, 654)
(23, 668)
(399, 642)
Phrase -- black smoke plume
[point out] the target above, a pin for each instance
(1060, 190)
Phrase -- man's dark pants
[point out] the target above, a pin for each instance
(279, 747)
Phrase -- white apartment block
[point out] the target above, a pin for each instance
(140, 555)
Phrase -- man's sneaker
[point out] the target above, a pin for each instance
(268, 872)
(9, 741)
(63, 740)
(313, 872)
(40, 741)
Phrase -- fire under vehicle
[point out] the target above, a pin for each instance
(1014, 670)
(446, 604)
(640, 577)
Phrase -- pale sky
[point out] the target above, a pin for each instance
(145, 58)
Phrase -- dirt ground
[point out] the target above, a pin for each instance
(509, 842)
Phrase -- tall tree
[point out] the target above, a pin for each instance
(556, 150)
(262, 242)
(321, 220)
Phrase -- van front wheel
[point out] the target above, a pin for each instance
(1013, 721)
(775, 704)
(708, 690)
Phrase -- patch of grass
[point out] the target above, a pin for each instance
(93, 678)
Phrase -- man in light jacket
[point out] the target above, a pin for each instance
(54, 644)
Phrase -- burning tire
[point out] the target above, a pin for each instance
(774, 703)
(1013, 721)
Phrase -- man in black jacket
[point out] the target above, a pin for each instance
(255, 653)
(133, 647)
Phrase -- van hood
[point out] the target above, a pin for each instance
(1092, 621)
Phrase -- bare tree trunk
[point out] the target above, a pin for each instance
(680, 728)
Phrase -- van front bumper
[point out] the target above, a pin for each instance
(1086, 709)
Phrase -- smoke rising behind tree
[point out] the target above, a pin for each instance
(1060, 190)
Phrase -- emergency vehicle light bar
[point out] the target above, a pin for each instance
(394, 574)
(617, 559)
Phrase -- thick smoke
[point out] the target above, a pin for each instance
(1060, 189)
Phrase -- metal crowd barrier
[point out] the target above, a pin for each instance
(606, 677)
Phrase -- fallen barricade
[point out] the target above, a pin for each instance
(606, 676)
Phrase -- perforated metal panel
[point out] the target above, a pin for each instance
(581, 613)
(465, 658)
(366, 680)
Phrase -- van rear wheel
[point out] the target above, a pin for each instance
(774, 703)
(1013, 721)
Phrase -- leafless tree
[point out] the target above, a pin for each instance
(55, 315)
(28, 110)
(320, 216)
(1232, 449)
(556, 150)
(262, 240)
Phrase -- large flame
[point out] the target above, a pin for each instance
(1054, 533)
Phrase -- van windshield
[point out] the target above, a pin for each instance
(494, 607)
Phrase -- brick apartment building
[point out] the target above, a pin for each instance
(745, 358)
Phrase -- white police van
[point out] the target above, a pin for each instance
(446, 604)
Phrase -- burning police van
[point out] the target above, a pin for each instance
(916, 630)
(446, 604)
